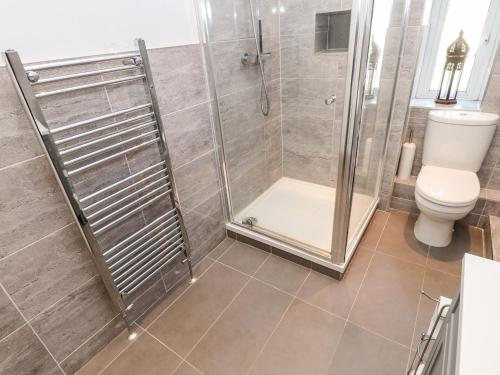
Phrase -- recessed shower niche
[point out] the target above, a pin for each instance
(332, 31)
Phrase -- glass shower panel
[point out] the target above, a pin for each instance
(385, 44)
(279, 70)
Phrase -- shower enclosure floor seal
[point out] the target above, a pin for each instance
(301, 213)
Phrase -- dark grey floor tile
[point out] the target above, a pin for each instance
(282, 274)
(388, 299)
(221, 248)
(398, 239)
(22, 353)
(361, 352)
(374, 230)
(302, 344)
(233, 343)
(333, 295)
(449, 259)
(47, 270)
(144, 356)
(244, 258)
(74, 319)
(183, 323)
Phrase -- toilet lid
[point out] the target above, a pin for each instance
(446, 186)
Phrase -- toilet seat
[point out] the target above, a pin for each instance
(447, 187)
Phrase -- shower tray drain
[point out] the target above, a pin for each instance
(250, 221)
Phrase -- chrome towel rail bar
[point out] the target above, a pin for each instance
(163, 172)
(66, 90)
(150, 273)
(143, 233)
(122, 181)
(104, 127)
(91, 73)
(100, 118)
(142, 247)
(129, 196)
(129, 214)
(104, 150)
(82, 61)
(97, 140)
(108, 158)
(133, 224)
(125, 207)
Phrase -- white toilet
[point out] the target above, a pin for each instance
(447, 186)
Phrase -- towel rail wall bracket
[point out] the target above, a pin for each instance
(142, 254)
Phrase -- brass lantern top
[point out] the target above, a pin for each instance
(458, 50)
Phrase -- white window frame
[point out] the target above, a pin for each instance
(483, 63)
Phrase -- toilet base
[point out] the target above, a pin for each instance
(433, 232)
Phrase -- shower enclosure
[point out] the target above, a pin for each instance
(303, 93)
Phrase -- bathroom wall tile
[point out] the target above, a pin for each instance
(174, 68)
(205, 226)
(230, 20)
(147, 296)
(188, 133)
(90, 348)
(47, 270)
(268, 11)
(494, 182)
(17, 140)
(23, 353)
(403, 204)
(128, 94)
(311, 94)
(298, 16)
(417, 8)
(11, 319)
(197, 180)
(240, 112)
(398, 7)
(390, 58)
(74, 319)
(29, 196)
(248, 186)
(298, 59)
(231, 75)
(316, 170)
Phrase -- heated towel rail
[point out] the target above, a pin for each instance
(136, 254)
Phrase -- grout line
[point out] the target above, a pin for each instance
(60, 299)
(204, 102)
(277, 324)
(21, 162)
(223, 311)
(34, 332)
(246, 88)
(90, 338)
(37, 241)
(195, 159)
(379, 335)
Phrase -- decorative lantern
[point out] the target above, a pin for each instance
(453, 67)
(371, 69)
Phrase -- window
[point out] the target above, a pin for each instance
(480, 21)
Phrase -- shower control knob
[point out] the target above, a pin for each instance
(332, 99)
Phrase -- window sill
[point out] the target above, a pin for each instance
(470, 105)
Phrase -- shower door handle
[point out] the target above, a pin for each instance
(332, 99)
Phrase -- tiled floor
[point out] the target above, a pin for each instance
(252, 312)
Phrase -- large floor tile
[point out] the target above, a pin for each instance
(449, 258)
(145, 356)
(186, 369)
(302, 344)
(221, 248)
(398, 239)
(374, 230)
(388, 300)
(184, 322)
(333, 295)
(233, 343)
(282, 274)
(244, 258)
(361, 352)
